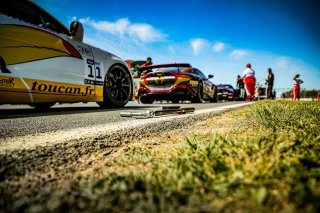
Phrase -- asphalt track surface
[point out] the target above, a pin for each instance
(19, 125)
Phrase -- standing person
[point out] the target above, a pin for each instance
(250, 81)
(296, 87)
(269, 82)
(240, 85)
(148, 62)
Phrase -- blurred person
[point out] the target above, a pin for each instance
(318, 96)
(250, 81)
(240, 85)
(148, 62)
(269, 83)
(274, 94)
(296, 87)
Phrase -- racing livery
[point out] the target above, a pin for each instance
(42, 62)
(175, 82)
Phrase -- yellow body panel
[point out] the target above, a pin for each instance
(16, 90)
(29, 44)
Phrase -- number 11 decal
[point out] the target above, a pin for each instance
(93, 69)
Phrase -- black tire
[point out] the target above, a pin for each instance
(199, 97)
(175, 100)
(42, 106)
(146, 100)
(215, 97)
(117, 89)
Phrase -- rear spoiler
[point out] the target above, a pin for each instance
(165, 65)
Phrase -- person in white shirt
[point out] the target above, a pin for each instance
(250, 81)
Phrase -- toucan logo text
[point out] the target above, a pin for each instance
(50, 88)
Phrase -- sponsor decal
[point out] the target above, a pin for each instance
(85, 51)
(94, 71)
(61, 89)
(93, 82)
(7, 82)
(193, 82)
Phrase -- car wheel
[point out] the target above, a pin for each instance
(42, 106)
(215, 96)
(199, 97)
(146, 100)
(175, 100)
(117, 89)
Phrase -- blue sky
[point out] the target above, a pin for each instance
(217, 36)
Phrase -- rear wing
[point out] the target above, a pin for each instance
(165, 65)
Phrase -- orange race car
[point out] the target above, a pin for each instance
(175, 82)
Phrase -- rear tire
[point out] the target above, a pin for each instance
(215, 97)
(117, 89)
(199, 97)
(146, 100)
(175, 100)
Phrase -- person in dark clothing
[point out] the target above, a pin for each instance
(240, 85)
(148, 62)
(269, 82)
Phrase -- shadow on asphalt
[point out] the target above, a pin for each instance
(32, 112)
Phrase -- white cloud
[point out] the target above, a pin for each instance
(238, 54)
(145, 33)
(218, 47)
(197, 45)
(123, 27)
(282, 63)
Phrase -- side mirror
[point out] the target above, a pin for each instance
(210, 76)
(76, 30)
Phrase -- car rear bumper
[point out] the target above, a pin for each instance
(178, 92)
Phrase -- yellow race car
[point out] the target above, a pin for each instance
(42, 62)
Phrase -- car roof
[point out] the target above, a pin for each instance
(36, 6)
(165, 65)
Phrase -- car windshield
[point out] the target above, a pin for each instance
(171, 69)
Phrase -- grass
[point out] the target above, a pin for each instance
(267, 161)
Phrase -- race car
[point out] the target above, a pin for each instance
(42, 62)
(226, 92)
(175, 82)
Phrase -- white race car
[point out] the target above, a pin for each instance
(42, 62)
